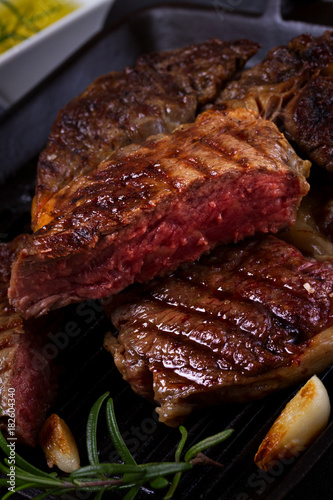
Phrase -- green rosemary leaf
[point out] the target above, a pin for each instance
(177, 476)
(26, 472)
(207, 443)
(92, 430)
(19, 461)
(104, 487)
(99, 478)
(149, 472)
(4, 444)
(159, 483)
(4, 469)
(133, 477)
(25, 486)
(90, 489)
(173, 486)
(99, 494)
(8, 494)
(115, 435)
(121, 487)
(44, 482)
(153, 470)
(181, 443)
(91, 471)
(132, 492)
(48, 493)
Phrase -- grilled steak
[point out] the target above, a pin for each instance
(245, 321)
(309, 120)
(28, 383)
(275, 88)
(165, 202)
(162, 91)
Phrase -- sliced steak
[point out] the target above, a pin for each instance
(28, 380)
(162, 91)
(244, 321)
(286, 88)
(168, 201)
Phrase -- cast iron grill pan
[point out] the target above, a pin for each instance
(86, 376)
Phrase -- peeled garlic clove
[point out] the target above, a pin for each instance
(303, 418)
(59, 445)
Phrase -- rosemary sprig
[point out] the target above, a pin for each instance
(99, 478)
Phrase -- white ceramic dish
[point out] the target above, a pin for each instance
(27, 63)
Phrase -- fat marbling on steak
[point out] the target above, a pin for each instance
(162, 91)
(157, 205)
(27, 377)
(293, 87)
(244, 321)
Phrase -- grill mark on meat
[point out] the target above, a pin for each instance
(206, 336)
(266, 294)
(284, 87)
(309, 118)
(162, 91)
(248, 285)
(209, 318)
(130, 224)
(225, 323)
(231, 156)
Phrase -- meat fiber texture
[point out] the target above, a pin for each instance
(27, 378)
(293, 87)
(309, 120)
(155, 206)
(245, 321)
(162, 91)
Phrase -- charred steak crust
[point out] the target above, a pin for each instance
(309, 120)
(291, 86)
(244, 321)
(270, 84)
(165, 202)
(27, 379)
(162, 91)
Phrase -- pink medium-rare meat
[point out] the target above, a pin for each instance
(244, 321)
(157, 205)
(162, 91)
(27, 378)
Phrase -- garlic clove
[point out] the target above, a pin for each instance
(303, 418)
(59, 445)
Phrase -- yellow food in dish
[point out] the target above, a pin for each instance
(21, 19)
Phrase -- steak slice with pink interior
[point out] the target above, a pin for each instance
(160, 204)
(159, 93)
(242, 322)
(27, 377)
